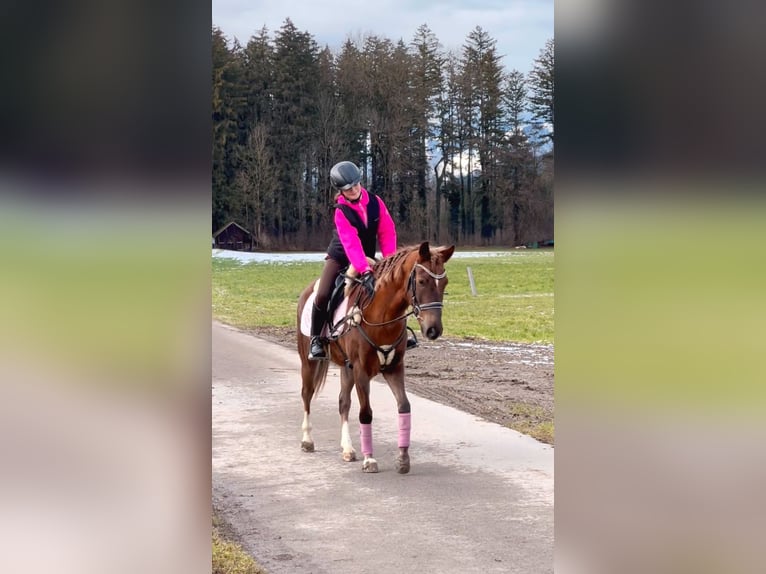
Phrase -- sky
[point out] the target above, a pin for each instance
(520, 27)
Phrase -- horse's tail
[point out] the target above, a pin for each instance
(320, 376)
(316, 371)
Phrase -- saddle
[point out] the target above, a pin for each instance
(342, 281)
(338, 292)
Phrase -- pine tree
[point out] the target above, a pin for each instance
(294, 128)
(227, 113)
(541, 96)
(515, 103)
(427, 80)
(258, 76)
(482, 78)
(448, 184)
(353, 107)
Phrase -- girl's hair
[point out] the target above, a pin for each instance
(338, 194)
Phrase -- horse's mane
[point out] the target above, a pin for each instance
(387, 270)
(391, 269)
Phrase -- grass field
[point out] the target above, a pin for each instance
(514, 300)
(228, 556)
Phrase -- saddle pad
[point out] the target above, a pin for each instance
(339, 314)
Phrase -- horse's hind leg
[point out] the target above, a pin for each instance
(395, 380)
(365, 423)
(344, 406)
(307, 392)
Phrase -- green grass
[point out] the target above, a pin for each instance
(229, 557)
(533, 421)
(259, 294)
(514, 300)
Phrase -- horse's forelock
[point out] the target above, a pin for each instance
(437, 261)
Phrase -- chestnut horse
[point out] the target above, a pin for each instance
(371, 338)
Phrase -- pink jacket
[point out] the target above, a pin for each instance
(350, 239)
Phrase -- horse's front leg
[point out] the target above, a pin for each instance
(344, 406)
(365, 422)
(395, 380)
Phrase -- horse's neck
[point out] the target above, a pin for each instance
(386, 308)
(391, 306)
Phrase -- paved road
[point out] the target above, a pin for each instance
(479, 497)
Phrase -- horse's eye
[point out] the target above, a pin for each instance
(421, 281)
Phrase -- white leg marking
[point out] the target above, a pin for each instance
(345, 438)
(306, 428)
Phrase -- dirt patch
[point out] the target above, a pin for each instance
(506, 383)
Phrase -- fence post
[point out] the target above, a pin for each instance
(471, 281)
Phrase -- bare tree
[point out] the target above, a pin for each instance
(257, 186)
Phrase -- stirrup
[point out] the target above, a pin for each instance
(321, 355)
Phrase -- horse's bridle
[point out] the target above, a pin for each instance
(417, 308)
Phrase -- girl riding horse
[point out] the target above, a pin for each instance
(361, 218)
(372, 340)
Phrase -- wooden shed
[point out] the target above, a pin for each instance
(234, 237)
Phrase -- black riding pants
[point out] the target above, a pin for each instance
(327, 282)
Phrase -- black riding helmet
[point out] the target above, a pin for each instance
(345, 175)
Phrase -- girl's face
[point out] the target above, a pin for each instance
(353, 193)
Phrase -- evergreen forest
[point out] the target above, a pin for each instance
(459, 148)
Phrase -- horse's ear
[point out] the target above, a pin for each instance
(446, 252)
(425, 251)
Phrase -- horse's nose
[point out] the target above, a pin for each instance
(433, 333)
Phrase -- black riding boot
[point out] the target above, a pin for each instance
(316, 349)
(412, 340)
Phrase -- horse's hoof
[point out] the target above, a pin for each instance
(349, 456)
(307, 446)
(370, 465)
(402, 465)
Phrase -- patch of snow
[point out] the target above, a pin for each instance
(308, 257)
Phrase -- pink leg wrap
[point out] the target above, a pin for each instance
(405, 424)
(365, 432)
